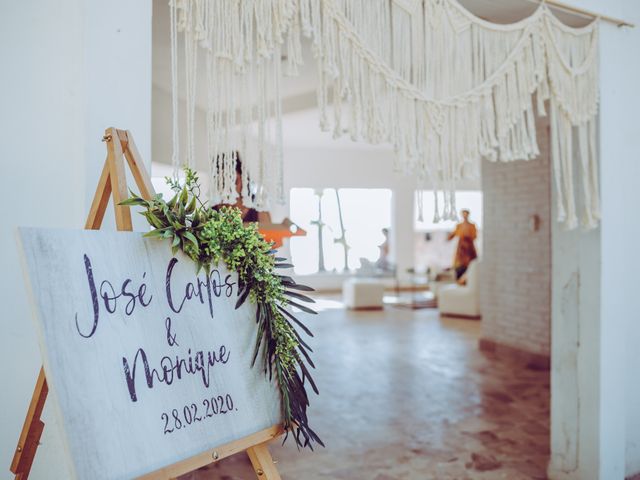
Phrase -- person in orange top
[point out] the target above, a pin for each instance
(466, 250)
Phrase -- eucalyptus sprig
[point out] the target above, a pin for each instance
(209, 236)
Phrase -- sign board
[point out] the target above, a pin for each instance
(149, 362)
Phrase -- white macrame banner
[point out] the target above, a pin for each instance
(241, 42)
(444, 87)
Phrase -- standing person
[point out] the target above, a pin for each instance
(466, 250)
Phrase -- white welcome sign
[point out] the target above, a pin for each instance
(149, 362)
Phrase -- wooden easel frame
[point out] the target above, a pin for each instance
(113, 184)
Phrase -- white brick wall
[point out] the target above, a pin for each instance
(516, 263)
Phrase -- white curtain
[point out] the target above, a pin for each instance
(441, 85)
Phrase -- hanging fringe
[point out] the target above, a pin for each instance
(471, 97)
(242, 45)
(442, 86)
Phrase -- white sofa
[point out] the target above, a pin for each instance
(462, 300)
(362, 293)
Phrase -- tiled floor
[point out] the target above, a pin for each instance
(407, 395)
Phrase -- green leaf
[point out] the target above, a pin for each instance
(133, 202)
(302, 307)
(298, 322)
(182, 216)
(195, 219)
(302, 350)
(289, 283)
(173, 201)
(256, 348)
(154, 233)
(308, 377)
(245, 293)
(283, 265)
(153, 220)
(191, 237)
(299, 296)
(192, 205)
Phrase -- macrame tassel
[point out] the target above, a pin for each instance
(557, 163)
(589, 175)
(446, 210)
(436, 212)
(420, 201)
(173, 19)
(594, 204)
(193, 32)
(453, 215)
(583, 152)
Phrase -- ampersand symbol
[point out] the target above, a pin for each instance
(171, 338)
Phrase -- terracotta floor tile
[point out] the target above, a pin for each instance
(406, 395)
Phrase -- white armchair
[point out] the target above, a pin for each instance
(463, 300)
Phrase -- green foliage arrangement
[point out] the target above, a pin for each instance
(209, 236)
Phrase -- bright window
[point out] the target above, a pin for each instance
(365, 212)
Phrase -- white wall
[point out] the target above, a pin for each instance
(608, 436)
(515, 276)
(620, 179)
(69, 70)
(162, 130)
(575, 372)
(117, 69)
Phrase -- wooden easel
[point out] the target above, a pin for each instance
(113, 183)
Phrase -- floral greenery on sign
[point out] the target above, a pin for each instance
(210, 236)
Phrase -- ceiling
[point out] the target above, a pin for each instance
(510, 11)
(300, 129)
(295, 88)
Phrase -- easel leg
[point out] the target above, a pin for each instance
(31, 431)
(262, 462)
(118, 179)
